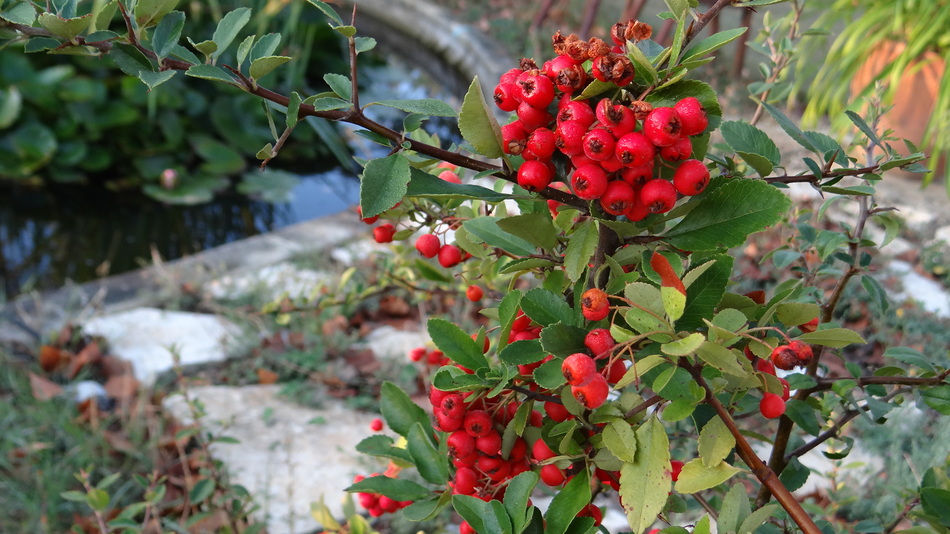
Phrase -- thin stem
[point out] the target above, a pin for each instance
(643, 406)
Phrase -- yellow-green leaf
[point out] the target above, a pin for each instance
(674, 302)
(684, 346)
(261, 67)
(715, 442)
(64, 28)
(697, 477)
(645, 484)
(477, 123)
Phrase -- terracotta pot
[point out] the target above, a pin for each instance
(915, 97)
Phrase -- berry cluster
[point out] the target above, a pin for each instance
(377, 505)
(618, 151)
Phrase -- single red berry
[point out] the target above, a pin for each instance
(511, 75)
(571, 79)
(474, 293)
(765, 366)
(453, 405)
(552, 475)
(578, 369)
(376, 425)
(599, 144)
(553, 66)
(465, 481)
(533, 118)
(771, 406)
(692, 115)
(489, 444)
(449, 256)
(466, 528)
(784, 357)
(618, 119)
(537, 91)
(658, 195)
(802, 351)
(617, 198)
(594, 304)
(638, 211)
(384, 233)
(635, 150)
(460, 443)
(519, 450)
(599, 342)
(436, 396)
(507, 96)
(496, 469)
(676, 467)
(637, 176)
(556, 411)
(662, 126)
(592, 394)
(450, 176)
(592, 511)
(388, 505)
(534, 175)
(810, 326)
(691, 177)
(541, 143)
(446, 423)
(417, 354)
(569, 137)
(428, 245)
(589, 181)
(477, 423)
(367, 220)
(577, 110)
(514, 138)
(540, 451)
(521, 322)
(615, 371)
(678, 151)
(786, 393)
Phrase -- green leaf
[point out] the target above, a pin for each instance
(563, 340)
(261, 67)
(712, 43)
(678, 8)
(937, 398)
(486, 229)
(697, 477)
(167, 34)
(428, 509)
(339, 84)
(477, 123)
(715, 442)
(674, 302)
(863, 126)
(621, 440)
(684, 346)
(154, 79)
(201, 490)
(73, 496)
(265, 46)
(727, 215)
(293, 109)
(456, 344)
(645, 483)
(425, 106)
(365, 44)
(210, 72)
(327, 103)
(427, 185)
(395, 488)
(228, 28)
(796, 313)
(399, 411)
(522, 352)
(936, 502)
(832, 337)
(790, 127)
(721, 358)
(327, 10)
(581, 248)
(911, 357)
(23, 13)
(432, 465)
(382, 446)
(148, 12)
(704, 293)
(594, 88)
(130, 60)
(384, 183)
(570, 500)
(323, 515)
(751, 144)
(803, 415)
(517, 494)
(547, 308)
(758, 518)
(548, 375)
(536, 228)
(642, 65)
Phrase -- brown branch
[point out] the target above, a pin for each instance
(697, 25)
(827, 383)
(535, 395)
(811, 178)
(766, 476)
(652, 401)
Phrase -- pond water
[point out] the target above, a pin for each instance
(74, 233)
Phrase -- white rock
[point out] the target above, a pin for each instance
(274, 279)
(288, 456)
(919, 221)
(930, 294)
(388, 342)
(358, 251)
(942, 235)
(146, 337)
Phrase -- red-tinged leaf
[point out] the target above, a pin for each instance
(663, 268)
(44, 389)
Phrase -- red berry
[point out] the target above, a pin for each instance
(534, 175)
(541, 143)
(450, 177)
(635, 150)
(453, 405)
(511, 75)
(579, 111)
(616, 371)
(507, 96)
(569, 137)
(552, 476)
(785, 389)
(466, 528)
(449, 256)
(599, 144)
(802, 351)
(553, 66)
(384, 233)
(662, 126)
(691, 177)
(692, 116)
(810, 326)
(589, 181)
(388, 505)
(618, 119)
(417, 354)
(474, 293)
(376, 425)
(599, 342)
(771, 406)
(784, 357)
(465, 481)
(765, 366)
(578, 369)
(594, 304)
(592, 394)
(556, 411)
(617, 198)
(367, 220)
(638, 211)
(537, 91)
(495, 468)
(477, 423)
(678, 151)
(533, 118)
(489, 444)
(658, 195)
(540, 451)
(514, 138)
(428, 245)
(446, 423)
(592, 511)
(637, 176)
(676, 467)
(460, 443)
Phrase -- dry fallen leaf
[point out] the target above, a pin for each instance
(51, 358)
(44, 389)
(265, 376)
